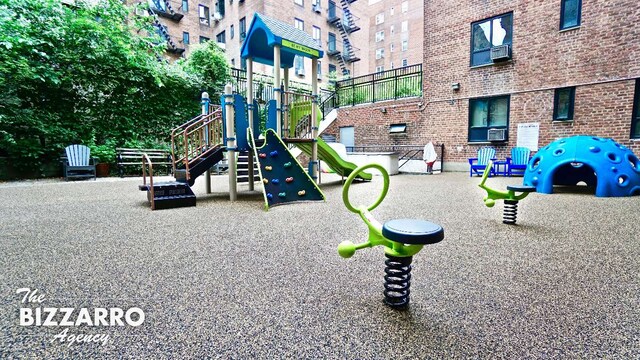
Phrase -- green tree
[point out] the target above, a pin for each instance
(208, 62)
(89, 74)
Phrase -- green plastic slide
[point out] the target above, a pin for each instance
(331, 157)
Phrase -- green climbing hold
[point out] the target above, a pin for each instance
(287, 165)
(282, 194)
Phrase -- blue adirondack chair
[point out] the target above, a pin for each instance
(78, 164)
(477, 165)
(517, 163)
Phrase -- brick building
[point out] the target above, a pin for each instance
(570, 66)
(334, 24)
(396, 34)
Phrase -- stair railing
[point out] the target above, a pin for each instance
(146, 163)
(175, 145)
(198, 137)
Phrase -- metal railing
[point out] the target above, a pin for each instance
(146, 162)
(385, 85)
(191, 140)
(405, 152)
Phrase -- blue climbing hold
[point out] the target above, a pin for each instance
(274, 153)
(275, 181)
(270, 196)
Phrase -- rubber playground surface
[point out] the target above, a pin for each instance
(229, 280)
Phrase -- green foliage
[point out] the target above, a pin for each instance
(105, 153)
(208, 62)
(90, 74)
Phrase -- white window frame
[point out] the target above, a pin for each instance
(391, 47)
(392, 29)
(299, 24)
(317, 35)
(405, 26)
(405, 45)
(380, 68)
(379, 53)
(299, 2)
(380, 36)
(380, 18)
(405, 6)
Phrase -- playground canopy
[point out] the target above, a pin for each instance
(265, 30)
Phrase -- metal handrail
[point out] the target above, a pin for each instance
(147, 161)
(199, 137)
(173, 135)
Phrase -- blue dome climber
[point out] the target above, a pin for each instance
(612, 169)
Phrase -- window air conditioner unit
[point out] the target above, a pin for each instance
(500, 53)
(217, 16)
(300, 72)
(316, 8)
(497, 134)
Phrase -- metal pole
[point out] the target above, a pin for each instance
(231, 142)
(314, 119)
(251, 119)
(276, 87)
(205, 111)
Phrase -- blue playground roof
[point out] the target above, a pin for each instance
(264, 33)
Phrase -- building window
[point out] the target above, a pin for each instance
(203, 39)
(185, 38)
(331, 44)
(488, 33)
(379, 18)
(635, 120)
(391, 64)
(316, 35)
(185, 5)
(405, 62)
(299, 65)
(243, 63)
(332, 69)
(219, 9)
(485, 114)
(405, 45)
(392, 30)
(299, 24)
(390, 47)
(319, 70)
(233, 62)
(231, 32)
(380, 36)
(405, 26)
(405, 6)
(391, 11)
(570, 12)
(398, 128)
(379, 68)
(299, 2)
(203, 12)
(379, 53)
(221, 38)
(563, 103)
(243, 28)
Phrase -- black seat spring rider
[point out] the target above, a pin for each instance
(402, 238)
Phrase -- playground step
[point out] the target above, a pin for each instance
(170, 194)
(198, 166)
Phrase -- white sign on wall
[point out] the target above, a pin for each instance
(528, 134)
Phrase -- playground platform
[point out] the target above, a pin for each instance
(229, 280)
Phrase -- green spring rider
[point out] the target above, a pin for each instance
(401, 238)
(510, 212)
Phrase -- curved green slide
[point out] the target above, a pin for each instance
(331, 157)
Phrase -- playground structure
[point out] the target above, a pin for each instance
(511, 199)
(402, 238)
(234, 128)
(612, 169)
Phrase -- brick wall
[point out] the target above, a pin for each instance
(601, 59)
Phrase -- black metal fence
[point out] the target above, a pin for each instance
(385, 85)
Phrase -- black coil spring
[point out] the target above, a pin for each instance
(397, 280)
(510, 212)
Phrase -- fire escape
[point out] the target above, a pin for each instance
(163, 8)
(343, 19)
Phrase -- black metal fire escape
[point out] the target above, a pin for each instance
(346, 25)
(164, 9)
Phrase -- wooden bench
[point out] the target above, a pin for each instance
(127, 156)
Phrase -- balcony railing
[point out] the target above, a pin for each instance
(385, 85)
